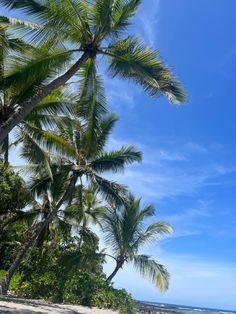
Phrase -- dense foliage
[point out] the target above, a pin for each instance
(48, 246)
(69, 274)
(14, 194)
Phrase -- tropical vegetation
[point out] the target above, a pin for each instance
(53, 109)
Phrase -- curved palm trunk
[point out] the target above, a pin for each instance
(4, 283)
(28, 105)
(119, 265)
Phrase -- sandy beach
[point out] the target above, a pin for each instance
(26, 306)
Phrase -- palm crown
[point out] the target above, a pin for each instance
(126, 234)
(80, 30)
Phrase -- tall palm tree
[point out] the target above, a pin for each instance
(86, 30)
(84, 161)
(126, 234)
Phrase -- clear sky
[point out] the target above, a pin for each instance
(189, 166)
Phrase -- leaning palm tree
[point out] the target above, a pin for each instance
(126, 234)
(86, 158)
(86, 30)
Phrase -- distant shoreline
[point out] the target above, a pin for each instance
(153, 308)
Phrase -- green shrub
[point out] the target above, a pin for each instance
(14, 194)
(93, 290)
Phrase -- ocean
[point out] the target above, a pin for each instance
(158, 308)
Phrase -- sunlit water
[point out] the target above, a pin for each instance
(179, 309)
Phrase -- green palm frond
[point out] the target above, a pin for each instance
(147, 211)
(40, 183)
(49, 141)
(124, 13)
(30, 6)
(92, 105)
(149, 268)
(50, 122)
(116, 160)
(103, 12)
(61, 102)
(110, 190)
(153, 232)
(79, 9)
(111, 17)
(25, 70)
(111, 227)
(58, 183)
(130, 59)
(106, 126)
(33, 153)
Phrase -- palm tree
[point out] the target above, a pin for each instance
(85, 30)
(126, 234)
(84, 161)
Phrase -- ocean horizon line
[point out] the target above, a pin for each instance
(187, 308)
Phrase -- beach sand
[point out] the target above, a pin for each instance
(26, 306)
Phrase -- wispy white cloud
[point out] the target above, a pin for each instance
(148, 19)
(167, 173)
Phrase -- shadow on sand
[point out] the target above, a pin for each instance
(26, 306)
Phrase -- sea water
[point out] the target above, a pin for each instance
(181, 309)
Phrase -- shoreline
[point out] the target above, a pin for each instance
(146, 307)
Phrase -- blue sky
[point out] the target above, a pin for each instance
(189, 165)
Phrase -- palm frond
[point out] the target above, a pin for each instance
(33, 153)
(125, 10)
(103, 12)
(79, 9)
(30, 6)
(110, 190)
(111, 227)
(116, 160)
(92, 105)
(106, 126)
(40, 65)
(49, 141)
(130, 59)
(152, 233)
(157, 273)
(41, 182)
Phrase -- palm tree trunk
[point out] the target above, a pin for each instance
(4, 283)
(6, 150)
(118, 266)
(28, 105)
